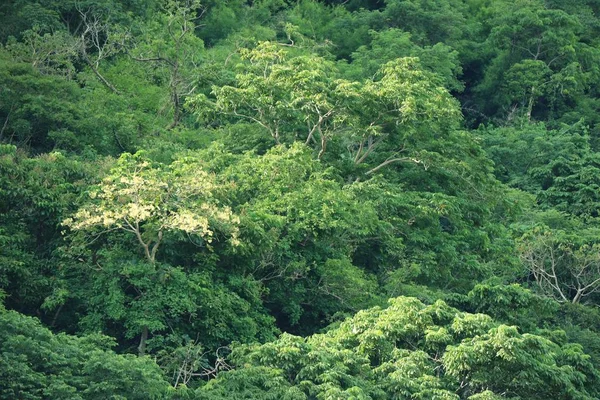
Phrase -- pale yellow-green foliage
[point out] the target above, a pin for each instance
(147, 201)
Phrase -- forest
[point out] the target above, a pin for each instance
(300, 199)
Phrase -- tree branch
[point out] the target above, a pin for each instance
(391, 161)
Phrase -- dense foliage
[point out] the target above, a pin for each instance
(275, 199)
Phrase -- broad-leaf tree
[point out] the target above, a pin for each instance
(410, 350)
(146, 203)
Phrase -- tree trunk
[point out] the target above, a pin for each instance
(143, 338)
(530, 104)
(176, 110)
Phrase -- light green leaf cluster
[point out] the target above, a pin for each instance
(147, 201)
(411, 350)
(302, 97)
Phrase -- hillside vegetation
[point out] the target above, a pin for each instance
(281, 199)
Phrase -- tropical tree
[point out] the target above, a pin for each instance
(147, 202)
(170, 44)
(302, 98)
(37, 364)
(539, 60)
(409, 350)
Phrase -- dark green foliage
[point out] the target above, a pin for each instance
(36, 364)
(299, 229)
(558, 166)
(512, 304)
(33, 106)
(194, 176)
(430, 22)
(35, 195)
(539, 65)
(388, 45)
(43, 112)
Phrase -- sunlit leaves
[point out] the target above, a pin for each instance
(400, 352)
(301, 97)
(148, 201)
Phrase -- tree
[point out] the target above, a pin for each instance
(99, 40)
(512, 304)
(36, 193)
(524, 365)
(300, 227)
(37, 364)
(409, 350)
(402, 110)
(566, 267)
(539, 59)
(147, 202)
(558, 166)
(49, 53)
(302, 98)
(170, 43)
(292, 99)
(33, 105)
(429, 22)
(391, 44)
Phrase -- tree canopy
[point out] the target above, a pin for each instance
(273, 199)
